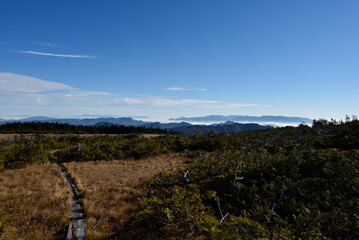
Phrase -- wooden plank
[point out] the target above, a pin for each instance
(77, 226)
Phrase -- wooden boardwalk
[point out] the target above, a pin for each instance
(77, 225)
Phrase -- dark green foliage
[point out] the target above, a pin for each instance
(3, 219)
(107, 148)
(46, 127)
(292, 183)
(22, 152)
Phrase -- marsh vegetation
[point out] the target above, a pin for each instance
(284, 183)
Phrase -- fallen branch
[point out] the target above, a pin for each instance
(93, 228)
(220, 211)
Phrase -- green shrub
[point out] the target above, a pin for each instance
(3, 219)
(309, 194)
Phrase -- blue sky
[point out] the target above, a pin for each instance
(166, 59)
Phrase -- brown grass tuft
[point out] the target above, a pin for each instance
(111, 188)
(36, 203)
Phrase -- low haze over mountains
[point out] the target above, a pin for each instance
(219, 128)
(240, 118)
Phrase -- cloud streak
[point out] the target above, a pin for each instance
(10, 82)
(27, 91)
(56, 55)
(238, 105)
(163, 102)
(186, 89)
(49, 44)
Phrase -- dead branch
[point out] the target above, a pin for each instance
(236, 176)
(220, 211)
(185, 179)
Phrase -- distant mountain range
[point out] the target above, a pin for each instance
(127, 121)
(241, 118)
(219, 128)
(188, 129)
(229, 123)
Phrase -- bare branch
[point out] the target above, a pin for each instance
(185, 179)
(236, 176)
(224, 218)
(220, 211)
(272, 212)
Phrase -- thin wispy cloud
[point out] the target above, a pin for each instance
(50, 44)
(186, 89)
(238, 105)
(10, 82)
(15, 88)
(164, 102)
(82, 93)
(56, 55)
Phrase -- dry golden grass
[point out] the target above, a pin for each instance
(36, 202)
(110, 187)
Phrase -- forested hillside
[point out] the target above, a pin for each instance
(117, 126)
(58, 128)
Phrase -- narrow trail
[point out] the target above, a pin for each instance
(77, 213)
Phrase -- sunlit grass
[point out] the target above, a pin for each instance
(36, 203)
(111, 189)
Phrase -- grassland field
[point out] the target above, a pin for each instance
(36, 198)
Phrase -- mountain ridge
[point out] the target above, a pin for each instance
(181, 127)
(245, 118)
(219, 128)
